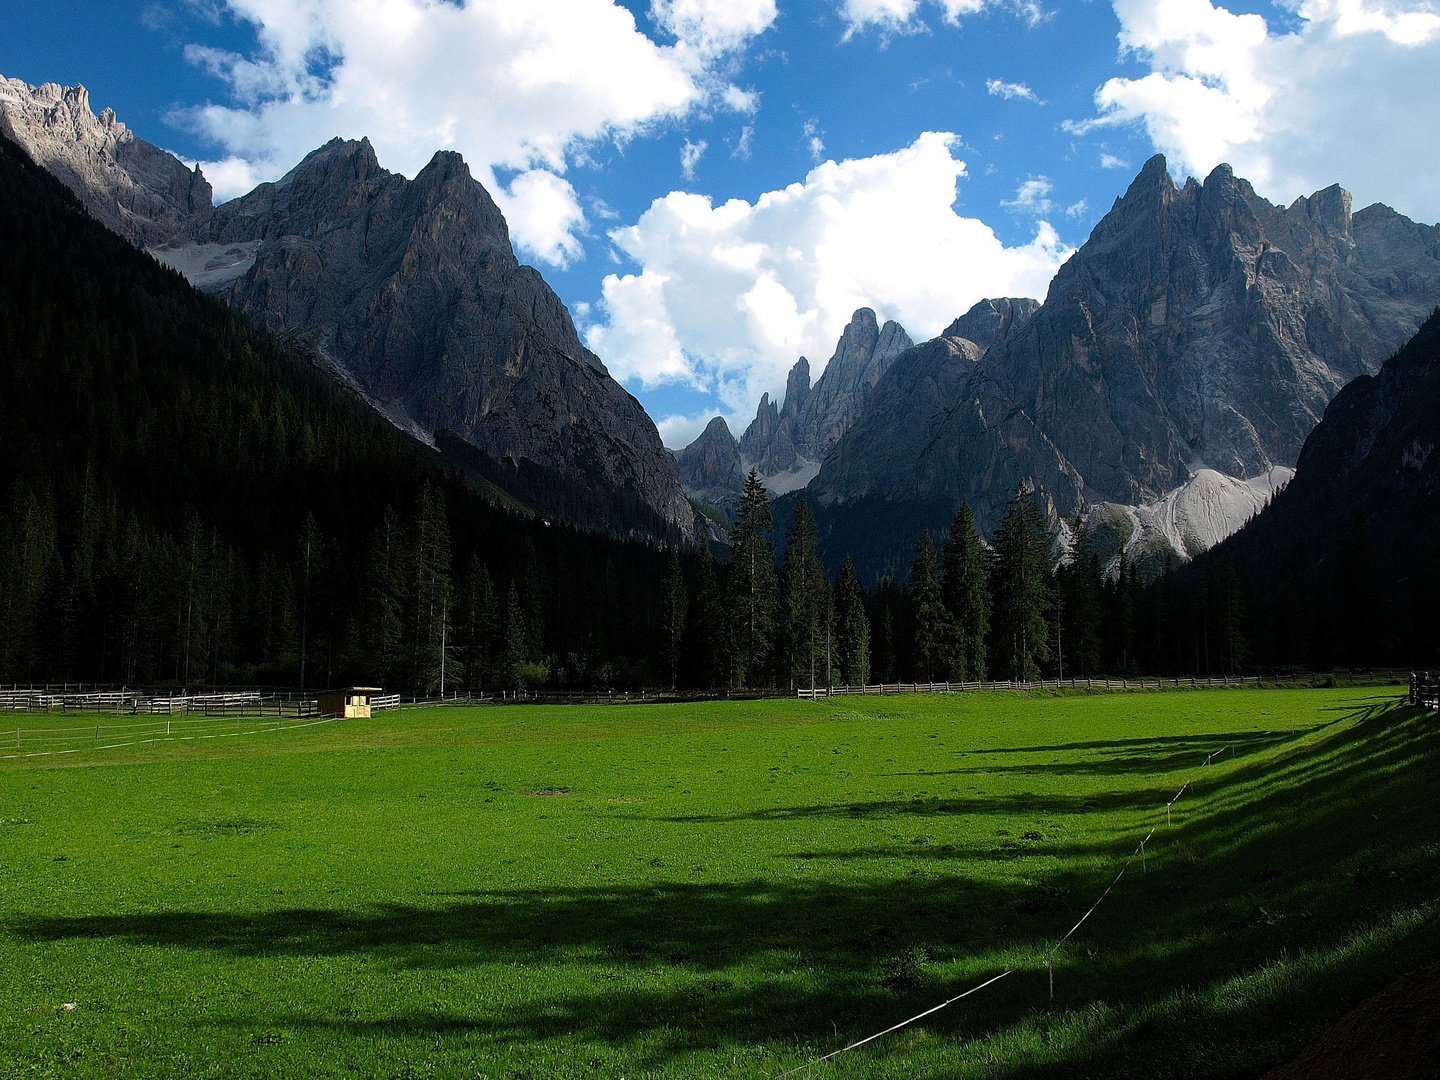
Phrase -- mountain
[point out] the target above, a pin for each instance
(136, 189)
(189, 500)
(408, 292)
(1200, 327)
(787, 442)
(1182, 523)
(1366, 486)
(710, 466)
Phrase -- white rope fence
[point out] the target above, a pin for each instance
(172, 732)
(1049, 956)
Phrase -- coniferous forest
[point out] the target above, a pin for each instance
(188, 501)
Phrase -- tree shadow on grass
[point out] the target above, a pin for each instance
(1287, 855)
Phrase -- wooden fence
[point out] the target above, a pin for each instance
(1113, 684)
(252, 703)
(1425, 689)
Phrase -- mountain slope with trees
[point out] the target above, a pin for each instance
(190, 501)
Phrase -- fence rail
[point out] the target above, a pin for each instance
(1182, 683)
(135, 703)
(1425, 689)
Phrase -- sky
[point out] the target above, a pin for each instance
(713, 186)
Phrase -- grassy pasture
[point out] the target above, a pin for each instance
(721, 889)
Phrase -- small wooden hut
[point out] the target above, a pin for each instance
(347, 702)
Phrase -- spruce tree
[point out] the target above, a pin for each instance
(852, 628)
(1079, 585)
(430, 596)
(385, 603)
(481, 623)
(513, 655)
(1021, 576)
(967, 595)
(705, 632)
(672, 616)
(805, 601)
(752, 590)
(934, 632)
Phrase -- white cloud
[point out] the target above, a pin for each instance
(690, 155)
(1032, 197)
(728, 296)
(1010, 91)
(679, 430)
(1110, 161)
(542, 207)
(1351, 94)
(1077, 209)
(903, 16)
(713, 26)
(508, 83)
(811, 133)
(742, 144)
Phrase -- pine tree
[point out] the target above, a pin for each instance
(852, 628)
(752, 584)
(934, 632)
(1079, 585)
(513, 655)
(1021, 574)
(705, 634)
(805, 601)
(967, 595)
(672, 616)
(481, 623)
(385, 603)
(430, 596)
(309, 545)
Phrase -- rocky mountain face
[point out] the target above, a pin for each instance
(1367, 484)
(787, 442)
(408, 291)
(710, 466)
(1200, 327)
(136, 189)
(411, 290)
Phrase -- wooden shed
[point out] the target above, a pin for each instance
(347, 702)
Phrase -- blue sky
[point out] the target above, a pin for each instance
(614, 137)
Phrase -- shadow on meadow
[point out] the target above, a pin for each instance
(1299, 851)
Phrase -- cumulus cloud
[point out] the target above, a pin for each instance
(508, 83)
(543, 208)
(1011, 91)
(1347, 94)
(727, 297)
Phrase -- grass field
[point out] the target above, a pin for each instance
(725, 889)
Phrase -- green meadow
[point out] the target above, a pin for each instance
(720, 889)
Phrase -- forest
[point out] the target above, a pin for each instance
(189, 501)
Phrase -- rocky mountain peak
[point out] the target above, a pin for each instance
(797, 388)
(990, 320)
(410, 291)
(710, 466)
(131, 186)
(1200, 327)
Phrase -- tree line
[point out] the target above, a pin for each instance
(185, 500)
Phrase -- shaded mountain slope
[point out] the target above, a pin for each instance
(411, 290)
(1366, 487)
(162, 461)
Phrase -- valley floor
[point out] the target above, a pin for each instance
(722, 889)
